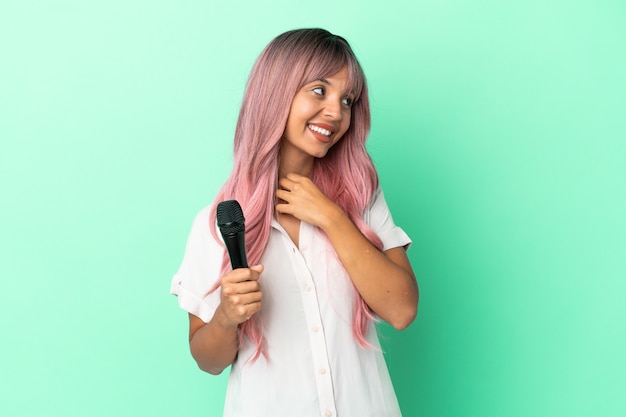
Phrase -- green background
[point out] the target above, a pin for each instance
(499, 131)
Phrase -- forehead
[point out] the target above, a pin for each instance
(338, 80)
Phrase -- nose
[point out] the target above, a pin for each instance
(332, 109)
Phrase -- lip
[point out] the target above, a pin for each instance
(320, 137)
(326, 126)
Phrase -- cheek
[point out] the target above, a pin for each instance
(345, 123)
(344, 129)
(299, 113)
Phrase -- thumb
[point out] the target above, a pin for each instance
(257, 268)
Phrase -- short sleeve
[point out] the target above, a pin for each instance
(378, 217)
(199, 271)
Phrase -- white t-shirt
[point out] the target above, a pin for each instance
(315, 368)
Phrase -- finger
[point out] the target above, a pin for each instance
(249, 310)
(244, 299)
(284, 195)
(244, 287)
(241, 313)
(254, 308)
(286, 183)
(283, 208)
(258, 268)
(240, 275)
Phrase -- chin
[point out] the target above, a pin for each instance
(321, 152)
(320, 155)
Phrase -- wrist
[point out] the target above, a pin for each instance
(334, 216)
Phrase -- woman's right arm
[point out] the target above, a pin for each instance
(214, 345)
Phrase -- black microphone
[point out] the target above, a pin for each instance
(230, 220)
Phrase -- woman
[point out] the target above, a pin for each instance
(297, 326)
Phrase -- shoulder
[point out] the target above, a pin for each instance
(202, 241)
(378, 217)
(376, 208)
(200, 268)
(202, 234)
(201, 221)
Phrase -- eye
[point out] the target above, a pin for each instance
(348, 101)
(319, 91)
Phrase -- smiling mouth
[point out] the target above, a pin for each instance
(320, 130)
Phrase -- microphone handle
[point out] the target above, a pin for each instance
(235, 244)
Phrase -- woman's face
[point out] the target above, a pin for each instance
(319, 116)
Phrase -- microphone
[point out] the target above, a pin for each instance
(230, 220)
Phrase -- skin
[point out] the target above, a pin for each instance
(385, 280)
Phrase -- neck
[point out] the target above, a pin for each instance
(294, 162)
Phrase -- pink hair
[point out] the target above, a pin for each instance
(290, 61)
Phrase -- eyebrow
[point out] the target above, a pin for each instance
(325, 81)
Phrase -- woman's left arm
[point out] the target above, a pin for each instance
(385, 280)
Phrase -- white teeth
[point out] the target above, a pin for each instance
(320, 130)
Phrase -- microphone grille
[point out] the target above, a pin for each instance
(230, 217)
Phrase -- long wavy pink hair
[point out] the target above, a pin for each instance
(290, 61)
